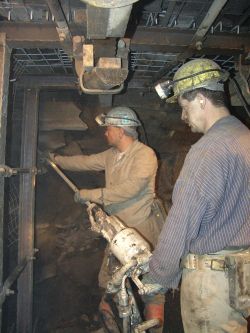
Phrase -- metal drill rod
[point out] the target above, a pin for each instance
(62, 175)
(65, 178)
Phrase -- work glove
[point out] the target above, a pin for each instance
(150, 286)
(52, 157)
(46, 155)
(78, 197)
(83, 195)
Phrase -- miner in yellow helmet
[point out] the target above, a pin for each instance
(206, 237)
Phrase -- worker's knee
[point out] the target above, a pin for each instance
(155, 311)
(154, 299)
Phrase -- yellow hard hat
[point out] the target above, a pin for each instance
(198, 73)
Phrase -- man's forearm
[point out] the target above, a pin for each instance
(80, 162)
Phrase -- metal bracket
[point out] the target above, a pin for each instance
(7, 171)
(100, 91)
(5, 290)
(105, 77)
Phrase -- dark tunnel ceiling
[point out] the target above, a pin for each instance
(176, 17)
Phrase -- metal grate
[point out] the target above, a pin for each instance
(225, 62)
(41, 62)
(189, 14)
(177, 14)
(147, 64)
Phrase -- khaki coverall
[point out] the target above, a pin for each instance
(129, 190)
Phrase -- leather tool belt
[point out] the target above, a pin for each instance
(237, 265)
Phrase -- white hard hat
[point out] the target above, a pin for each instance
(120, 116)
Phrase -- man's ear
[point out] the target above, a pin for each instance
(202, 100)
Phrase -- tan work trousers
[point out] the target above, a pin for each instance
(205, 306)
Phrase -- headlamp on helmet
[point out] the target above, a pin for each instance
(119, 117)
(164, 89)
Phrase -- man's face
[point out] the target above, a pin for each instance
(113, 135)
(193, 114)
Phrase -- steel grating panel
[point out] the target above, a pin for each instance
(177, 14)
(149, 62)
(51, 62)
(189, 14)
(41, 62)
(38, 10)
(146, 64)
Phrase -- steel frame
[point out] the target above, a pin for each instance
(4, 86)
(26, 209)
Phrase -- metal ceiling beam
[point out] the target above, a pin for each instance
(168, 40)
(208, 20)
(176, 41)
(62, 25)
(244, 17)
(45, 82)
(60, 18)
(30, 35)
(197, 39)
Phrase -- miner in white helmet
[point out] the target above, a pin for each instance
(130, 169)
(206, 236)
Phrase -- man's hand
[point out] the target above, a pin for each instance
(150, 286)
(82, 196)
(93, 195)
(79, 198)
(52, 157)
(44, 156)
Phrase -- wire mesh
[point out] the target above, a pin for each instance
(147, 64)
(12, 212)
(12, 183)
(189, 14)
(41, 62)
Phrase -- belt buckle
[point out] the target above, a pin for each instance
(218, 264)
(192, 261)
